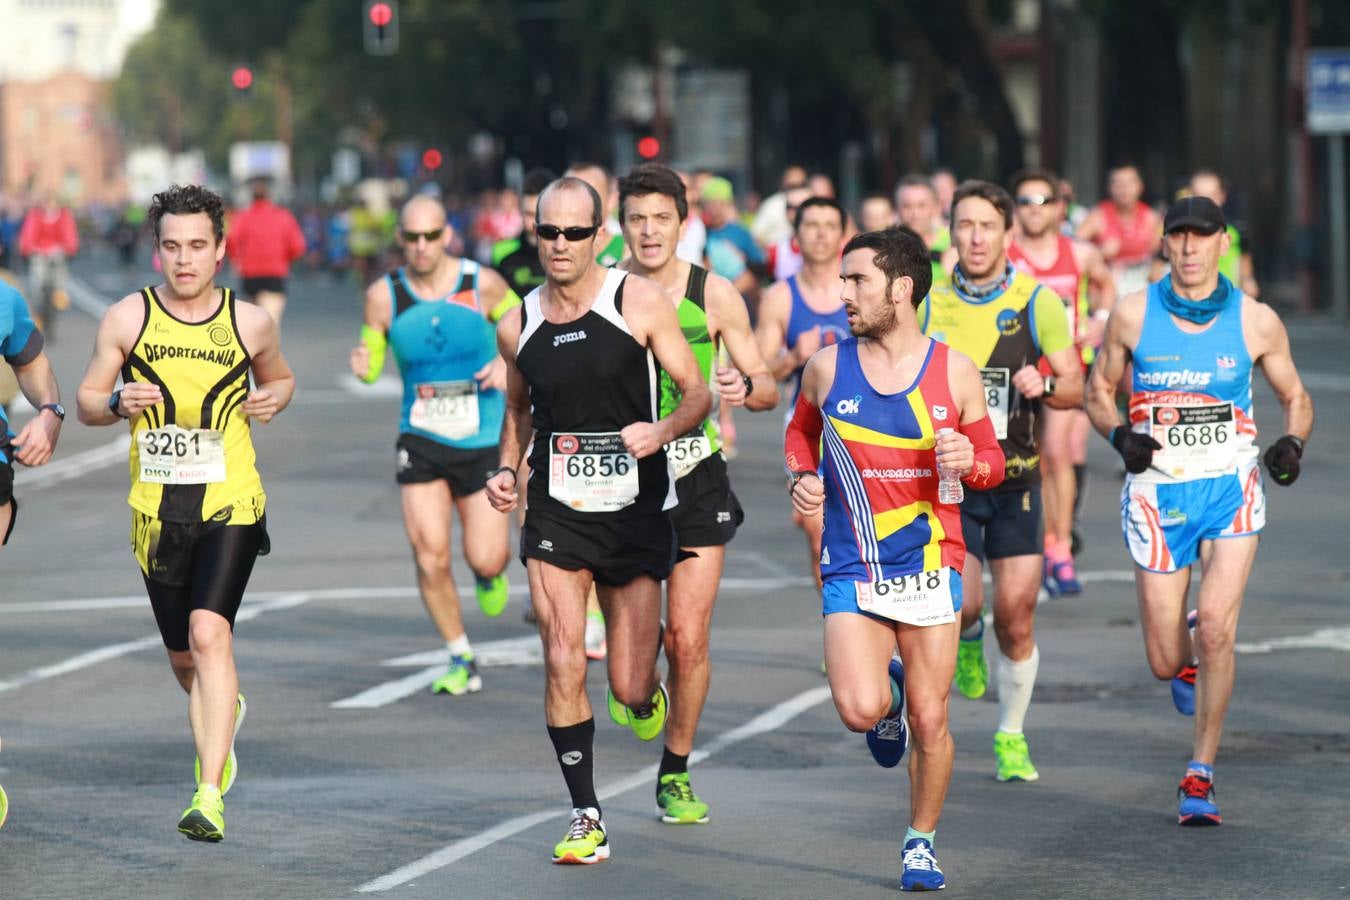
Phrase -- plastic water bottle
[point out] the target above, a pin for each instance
(950, 489)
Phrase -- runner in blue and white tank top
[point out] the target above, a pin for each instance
(1194, 487)
(800, 315)
(436, 313)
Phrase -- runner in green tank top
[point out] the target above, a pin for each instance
(653, 210)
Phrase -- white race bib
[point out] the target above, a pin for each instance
(998, 397)
(592, 472)
(924, 598)
(446, 408)
(685, 453)
(173, 455)
(1197, 441)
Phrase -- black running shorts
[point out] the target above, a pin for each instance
(421, 460)
(615, 551)
(197, 565)
(708, 512)
(1000, 524)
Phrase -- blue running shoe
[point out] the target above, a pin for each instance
(919, 868)
(1183, 691)
(1183, 685)
(1197, 802)
(1060, 578)
(889, 737)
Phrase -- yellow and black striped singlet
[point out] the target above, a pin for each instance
(202, 369)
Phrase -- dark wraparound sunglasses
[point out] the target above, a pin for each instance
(1034, 200)
(410, 237)
(573, 234)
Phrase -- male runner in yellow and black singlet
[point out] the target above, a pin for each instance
(196, 366)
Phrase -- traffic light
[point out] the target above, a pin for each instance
(242, 79)
(380, 22)
(648, 147)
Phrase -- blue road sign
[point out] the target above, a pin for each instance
(1327, 90)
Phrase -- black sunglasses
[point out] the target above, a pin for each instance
(410, 237)
(573, 234)
(1035, 200)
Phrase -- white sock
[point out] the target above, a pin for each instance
(1015, 683)
(459, 646)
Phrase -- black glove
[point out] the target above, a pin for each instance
(1282, 459)
(1135, 448)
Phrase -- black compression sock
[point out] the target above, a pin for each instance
(574, 745)
(672, 763)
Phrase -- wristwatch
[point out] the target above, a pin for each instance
(115, 403)
(1049, 386)
(56, 408)
(794, 477)
(749, 384)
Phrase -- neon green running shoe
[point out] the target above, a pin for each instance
(4, 807)
(649, 726)
(231, 769)
(492, 594)
(1014, 759)
(676, 802)
(461, 678)
(618, 713)
(972, 669)
(585, 842)
(204, 820)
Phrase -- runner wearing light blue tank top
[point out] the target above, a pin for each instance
(439, 344)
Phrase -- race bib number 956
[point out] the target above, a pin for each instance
(592, 472)
(173, 455)
(924, 598)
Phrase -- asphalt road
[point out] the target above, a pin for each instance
(353, 777)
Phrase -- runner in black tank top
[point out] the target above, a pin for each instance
(588, 379)
(584, 354)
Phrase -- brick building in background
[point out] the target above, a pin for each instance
(58, 59)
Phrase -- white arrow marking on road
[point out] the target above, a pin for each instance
(521, 651)
(1322, 639)
(770, 720)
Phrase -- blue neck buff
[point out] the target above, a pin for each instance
(1197, 311)
(983, 291)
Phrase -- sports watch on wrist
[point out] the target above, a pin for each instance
(56, 408)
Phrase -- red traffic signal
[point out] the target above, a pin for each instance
(380, 27)
(380, 14)
(432, 159)
(648, 147)
(241, 78)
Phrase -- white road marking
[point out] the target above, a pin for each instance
(70, 467)
(113, 651)
(1325, 381)
(385, 387)
(1322, 639)
(85, 298)
(770, 720)
(520, 651)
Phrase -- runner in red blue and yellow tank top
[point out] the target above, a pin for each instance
(893, 409)
(1005, 321)
(1077, 273)
(1194, 487)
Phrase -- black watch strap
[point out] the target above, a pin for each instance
(56, 408)
(115, 403)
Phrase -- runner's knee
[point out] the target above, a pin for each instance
(860, 709)
(686, 646)
(1213, 640)
(208, 634)
(927, 720)
(432, 562)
